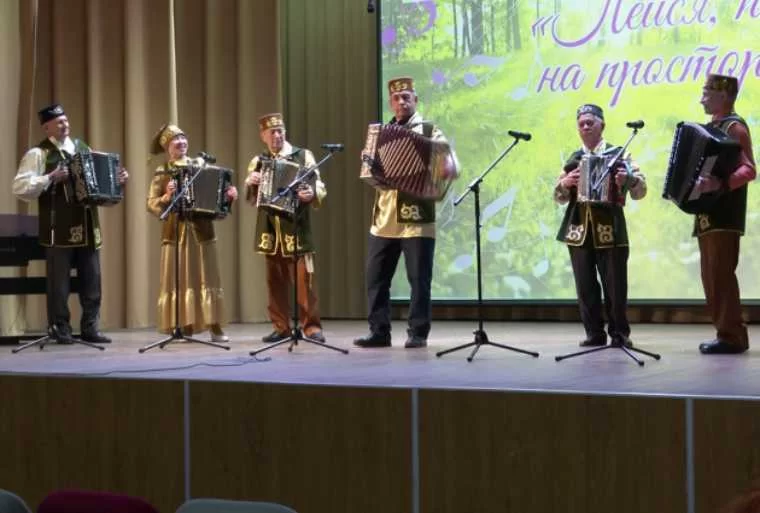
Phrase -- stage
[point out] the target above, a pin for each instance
(389, 430)
(682, 371)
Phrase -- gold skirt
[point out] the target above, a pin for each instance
(201, 297)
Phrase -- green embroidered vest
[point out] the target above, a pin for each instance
(410, 209)
(275, 230)
(730, 210)
(75, 225)
(606, 223)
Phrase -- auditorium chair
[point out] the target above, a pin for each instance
(12, 503)
(83, 501)
(227, 506)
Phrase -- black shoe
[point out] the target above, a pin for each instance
(594, 342)
(318, 336)
(622, 342)
(415, 341)
(720, 347)
(275, 336)
(61, 335)
(374, 340)
(95, 338)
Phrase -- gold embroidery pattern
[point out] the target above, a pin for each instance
(290, 243)
(605, 233)
(704, 221)
(76, 234)
(266, 242)
(97, 236)
(575, 232)
(410, 212)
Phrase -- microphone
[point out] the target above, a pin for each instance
(635, 124)
(207, 157)
(525, 136)
(371, 6)
(333, 147)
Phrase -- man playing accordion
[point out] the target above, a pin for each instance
(275, 235)
(44, 175)
(595, 233)
(720, 229)
(402, 223)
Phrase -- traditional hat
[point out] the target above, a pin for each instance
(163, 137)
(49, 113)
(590, 108)
(398, 84)
(273, 120)
(722, 83)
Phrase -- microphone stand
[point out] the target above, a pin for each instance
(481, 338)
(51, 253)
(296, 333)
(626, 350)
(596, 185)
(179, 205)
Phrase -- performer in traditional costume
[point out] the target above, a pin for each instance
(44, 175)
(720, 229)
(402, 223)
(276, 239)
(201, 296)
(596, 235)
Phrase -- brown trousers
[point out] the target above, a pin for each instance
(280, 286)
(719, 252)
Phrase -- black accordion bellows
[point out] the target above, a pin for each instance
(95, 178)
(698, 150)
(208, 192)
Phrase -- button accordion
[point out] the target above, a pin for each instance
(276, 175)
(95, 178)
(698, 150)
(207, 194)
(593, 187)
(396, 157)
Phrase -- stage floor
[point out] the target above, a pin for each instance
(682, 371)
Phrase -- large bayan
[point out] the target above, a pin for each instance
(95, 178)
(395, 157)
(698, 151)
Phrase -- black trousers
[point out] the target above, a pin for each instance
(382, 258)
(86, 261)
(612, 266)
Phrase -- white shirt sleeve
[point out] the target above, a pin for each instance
(31, 180)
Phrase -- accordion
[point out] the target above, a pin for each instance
(698, 150)
(207, 194)
(398, 158)
(276, 175)
(95, 178)
(596, 187)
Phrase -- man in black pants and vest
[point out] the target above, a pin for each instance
(43, 175)
(596, 235)
(402, 223)
(719, 230)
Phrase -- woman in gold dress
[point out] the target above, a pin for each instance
(201, 297)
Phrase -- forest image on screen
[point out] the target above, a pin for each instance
(484, 67)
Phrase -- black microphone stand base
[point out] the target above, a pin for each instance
(177, 336)
(481, 339)
(52, 337)
(295, 337)
(627, 350)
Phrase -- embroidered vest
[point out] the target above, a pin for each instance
(606, 223)
(75, 225)
(275, 231)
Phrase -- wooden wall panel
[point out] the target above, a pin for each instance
(726, 451)
(315, 449)
(122, 436)
(532, 453)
